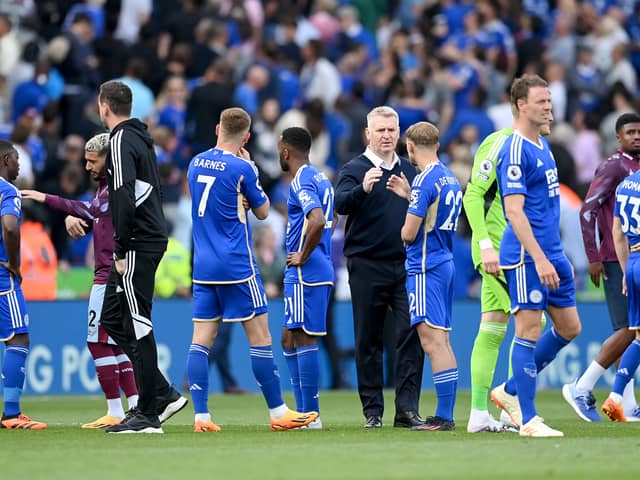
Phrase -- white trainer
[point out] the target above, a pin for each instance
(633, 415)
(508, 403)
(505, 419)
(483, 421)
(537, 428)
(315, 425)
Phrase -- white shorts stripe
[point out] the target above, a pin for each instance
(16, 314)
(296, 304)
(421, 293)
(521, 283)
(104, 361)
(255, 294)
(12, 311)
(423, 290)
(122, 358)
(259, 300)
(300, 318)
(419, 312)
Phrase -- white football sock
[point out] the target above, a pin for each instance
(114, 406)
(629, 397)
(590, 376)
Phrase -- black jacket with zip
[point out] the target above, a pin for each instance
(135, 199)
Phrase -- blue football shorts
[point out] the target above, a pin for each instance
(14, 318)
(306, 307)
(528, 293)
(233, 302)
(632, 276)
(431, 296)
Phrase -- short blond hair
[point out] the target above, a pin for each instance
(234, 122)
(423, 134)
(382, 111)
(98, 144)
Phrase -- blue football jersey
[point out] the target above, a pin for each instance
(310, 189)
(627, 207)
(529, 169)
(222, 248)
(436, 196)
(10, 204)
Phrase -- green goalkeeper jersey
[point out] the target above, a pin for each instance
(482, 202)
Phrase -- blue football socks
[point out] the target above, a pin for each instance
(524, 376)
(628, 365)
(291, 357)
(548, 346)
(198, 376)
(13, 378)
(309, 367)
(267, 375)
(446, 383)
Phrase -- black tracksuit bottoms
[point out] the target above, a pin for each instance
(126, 316)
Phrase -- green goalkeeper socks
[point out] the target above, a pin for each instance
(483, 361)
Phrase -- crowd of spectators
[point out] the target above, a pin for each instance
(322, 64)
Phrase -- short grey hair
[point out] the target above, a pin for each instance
(383, 111)
(98, 144)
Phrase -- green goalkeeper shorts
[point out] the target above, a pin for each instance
(494, 295)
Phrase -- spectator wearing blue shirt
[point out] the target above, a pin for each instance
(455, 13)
(407, 101)
(172, 107)
(32, 93)
(501, 55)
(89, 8)
(247, 93)
(143, 99)
(351, 34)
(464, 80)
(473, 114)
(586, 84)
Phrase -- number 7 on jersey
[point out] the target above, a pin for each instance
(208, 183)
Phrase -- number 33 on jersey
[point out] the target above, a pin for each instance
(627, 208)
(436, 196)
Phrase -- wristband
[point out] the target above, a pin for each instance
(485, 243)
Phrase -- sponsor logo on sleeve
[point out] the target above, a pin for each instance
(415, 196)
(514, 173)
(486, 166)
(304, 199)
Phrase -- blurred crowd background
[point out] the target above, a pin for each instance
(322, 64)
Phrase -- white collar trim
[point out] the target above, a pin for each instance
(539, 145)
(379, 162)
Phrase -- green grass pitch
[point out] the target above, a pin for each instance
(247, 449)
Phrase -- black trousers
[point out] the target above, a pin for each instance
(126, 316)
(378, 286)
